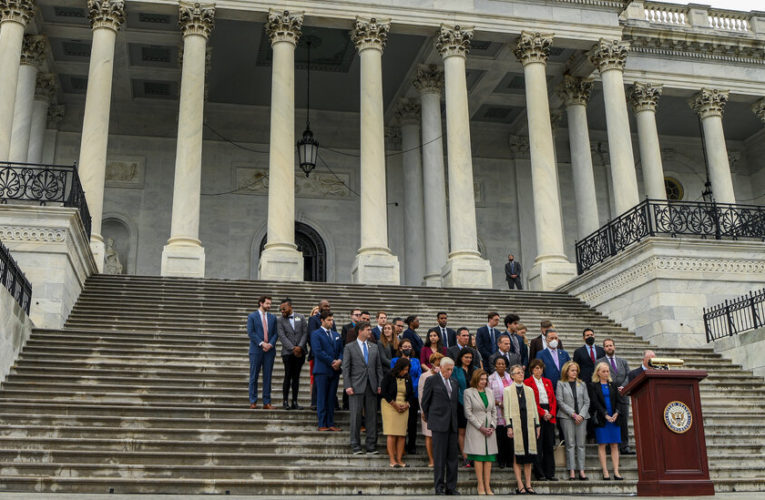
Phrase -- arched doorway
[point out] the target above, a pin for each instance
(314, 251)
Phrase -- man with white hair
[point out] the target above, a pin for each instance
(645, 365)
(440, 398)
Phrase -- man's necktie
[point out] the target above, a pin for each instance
(613, 365)
(592, 354)
(366, 353)
(448, 388)
(265, 328)
(444, 337)
(555, 358)
(493, 340)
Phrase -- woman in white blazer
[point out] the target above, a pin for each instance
(480, 442)
(573, 412)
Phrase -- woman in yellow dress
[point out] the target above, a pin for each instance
(396, 391)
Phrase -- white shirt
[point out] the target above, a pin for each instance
(544, 342)
(542, 391)
(291, 317)
(361, 345)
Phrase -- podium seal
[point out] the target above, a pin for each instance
(678, 417)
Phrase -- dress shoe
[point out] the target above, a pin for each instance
(286, 405)
(323, 429)
(618, 478)
(440, 492)
(296, 406)
(253, 406)
(267, 406)
(335, 429)
(551, 478)
(358, 452)
(452, 492)
(373, 452)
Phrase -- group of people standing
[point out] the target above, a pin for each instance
(495, 397)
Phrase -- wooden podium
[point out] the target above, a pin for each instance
(669, 433)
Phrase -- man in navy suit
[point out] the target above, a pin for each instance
(448, 336)
(553, 357)
(328, 358)
(261, 328)
(486, 336)
(587, 355)
(382, 318)
(516, 341)
(314, 323)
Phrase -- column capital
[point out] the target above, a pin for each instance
(454, 40)
(17, 11)
(106, 14)
(429, 80)
(644, 96)
(370, 33)
(196, 18)
(284, 26)
(33, 50)
(55, 115)
(533, 47)
(45, 88)
(407, 112)
(609, 54)
(575, 90)
(709, 102)
(392, 137)
(759, 109)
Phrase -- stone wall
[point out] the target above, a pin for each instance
(746, 349)
(15, 329)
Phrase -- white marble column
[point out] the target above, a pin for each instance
(45, 93)
(408, 116)
(184, 255)
(32, 55)
(643, 99)
(551, 267)
(609, 56)
(280, 259)
(430, 84)
(465, 267)
(374, 263)
(14, 16)
(106, 17)
(576, 93)
(55, 115)
(709, 105)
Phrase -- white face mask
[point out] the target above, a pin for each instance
(553, 344)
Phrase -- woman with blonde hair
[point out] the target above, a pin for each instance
(435, 362)
(481, 415)
(522, 421)
(606, 401)
(573, 400)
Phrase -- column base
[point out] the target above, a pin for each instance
(376, 267)
(98, 249)
(548, 274)
(467, 270)
(432, 280)
(280, 263)
(185, 261)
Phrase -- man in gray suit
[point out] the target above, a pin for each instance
(440, 399)
(292, 329)
(620, 370)
(362, 375)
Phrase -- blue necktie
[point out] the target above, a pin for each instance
(366, 353)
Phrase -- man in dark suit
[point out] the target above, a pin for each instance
(554, 357)
(413, 323)
(516, 340)
(645, 365)
(361, 380)
(463, 337)
(620, 370)
(587, 355)
(328, 356)
(261, 329)
(314, 323)
(513, 273)
(448, 336)
(348, 329)
(539, 343)
(486, 336)
(504, 351)
(382, 318)
(439, 407)
(292, 329)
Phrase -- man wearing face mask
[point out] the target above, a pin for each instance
(587, 355)
(553, 357)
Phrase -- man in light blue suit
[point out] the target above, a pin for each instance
(553, 358)
(327, 349)
(261, 328)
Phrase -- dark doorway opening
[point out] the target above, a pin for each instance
(314, 251)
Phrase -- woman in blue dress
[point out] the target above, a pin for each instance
(605, 400)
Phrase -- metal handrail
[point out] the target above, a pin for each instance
(735, 316)
(14, 280)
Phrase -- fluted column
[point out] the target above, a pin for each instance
(184, 255)
(643, 99)
(44, 95)
(55, 115)
(609, 56)
(374, 263)
(576, 93)
(408, 117)
(106, 17)
(465, 267)
(14, 16)
(709, 105)
(280, 260)
(430, 83)
(551, 267)
(32, 55)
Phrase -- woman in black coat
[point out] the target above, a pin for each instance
(605, 402)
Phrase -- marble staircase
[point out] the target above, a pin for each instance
(145, 391)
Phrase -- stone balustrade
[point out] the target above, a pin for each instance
(695, 16)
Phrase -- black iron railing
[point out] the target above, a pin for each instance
(43, 184)
(735, 316)
(670, 218)
(14, 280)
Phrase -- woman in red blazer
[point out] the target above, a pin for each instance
(544, 467)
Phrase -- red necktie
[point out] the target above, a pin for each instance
(592, 354)
(265, 328)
